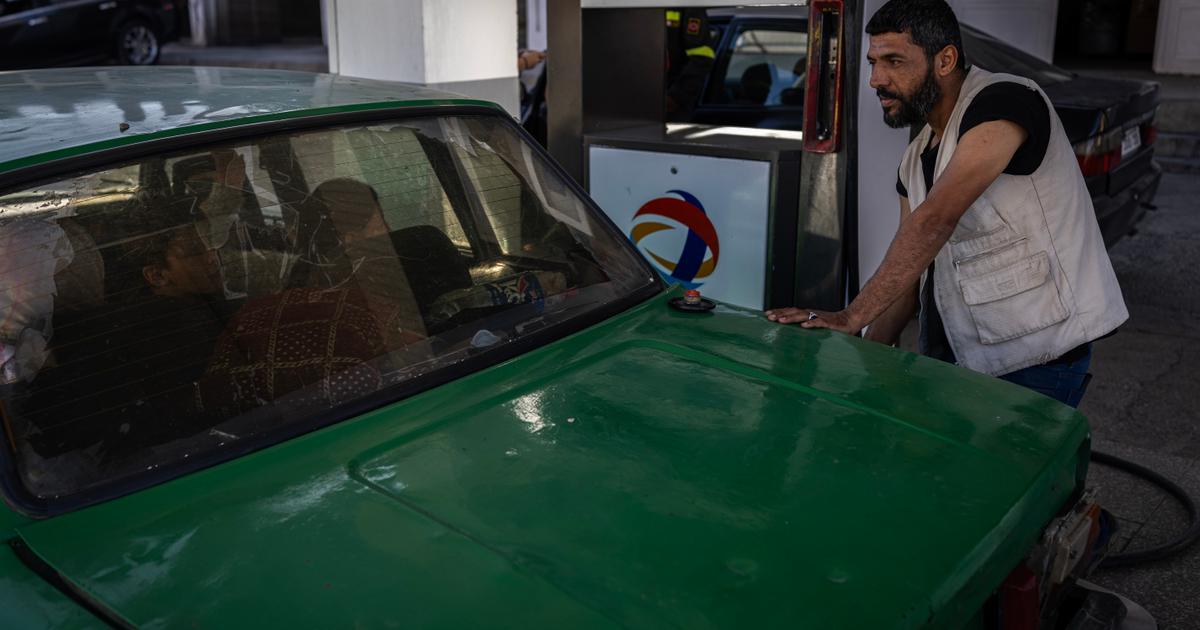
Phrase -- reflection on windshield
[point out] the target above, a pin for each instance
(188, 302)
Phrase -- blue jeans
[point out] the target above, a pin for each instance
(1064, 382)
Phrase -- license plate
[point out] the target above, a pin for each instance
(1131, 141)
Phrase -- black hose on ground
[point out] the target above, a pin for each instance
(1187, 539)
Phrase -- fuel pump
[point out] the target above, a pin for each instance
(754, 217)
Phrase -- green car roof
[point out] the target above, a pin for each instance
(52, 114)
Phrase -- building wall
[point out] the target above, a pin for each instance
(1027, 24)
(1177, 47)
(463, 46)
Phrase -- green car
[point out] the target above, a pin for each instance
(297, 350)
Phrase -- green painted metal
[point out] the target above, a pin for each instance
(10, 520)
(30, 602)
(47, 115)
(658, 469)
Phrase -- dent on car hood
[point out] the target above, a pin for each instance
(659, 469)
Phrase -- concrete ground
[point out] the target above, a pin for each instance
(1144, 401)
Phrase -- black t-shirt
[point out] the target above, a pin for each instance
(1000, 101)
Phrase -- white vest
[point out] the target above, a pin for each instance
(1025, 276)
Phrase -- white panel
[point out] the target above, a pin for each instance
(469, 40)
(1177, 48)
(1028, 25)
(470, 45)
(734, 196)
(879, 151)
(380, 39)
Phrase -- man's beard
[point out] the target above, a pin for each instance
(914, 110)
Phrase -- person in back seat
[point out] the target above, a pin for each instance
(376, 265)
(172, 332)
(125, 372)
(756, 84)
(333, 334)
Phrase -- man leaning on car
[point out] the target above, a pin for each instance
(998, 244)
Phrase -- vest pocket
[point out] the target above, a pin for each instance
(981, 221)
(1014, 301)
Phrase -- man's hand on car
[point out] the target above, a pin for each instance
(841, 321)
(979, 159)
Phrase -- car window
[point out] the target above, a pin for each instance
(764, 66)
(189, 304)
(375, 155)
(994, 55)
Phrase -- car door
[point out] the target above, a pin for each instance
(758, 78)
(81, 29)
(26, 33)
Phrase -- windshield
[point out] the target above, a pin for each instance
(189, 303)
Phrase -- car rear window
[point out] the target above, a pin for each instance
(189, 304)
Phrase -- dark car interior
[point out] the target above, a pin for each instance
(228, 310)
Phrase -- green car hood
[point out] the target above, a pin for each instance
(659, 469)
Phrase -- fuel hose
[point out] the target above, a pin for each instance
(1161, 552)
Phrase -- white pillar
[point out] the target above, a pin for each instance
(535, 24)
(1176, 47)
(463, 46)
(325, 22)
(202, 14)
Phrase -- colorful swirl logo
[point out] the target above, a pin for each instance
(693, 262)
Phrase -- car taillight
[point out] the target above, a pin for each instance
(1149, 134)
(1099, 155)
(1019, 601)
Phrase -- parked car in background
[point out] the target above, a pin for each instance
(757, 81)
(312, 351)
(42, 33)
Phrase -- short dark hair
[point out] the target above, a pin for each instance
(931, 24)
(156, 223)
(150, 250)
(345, 202)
